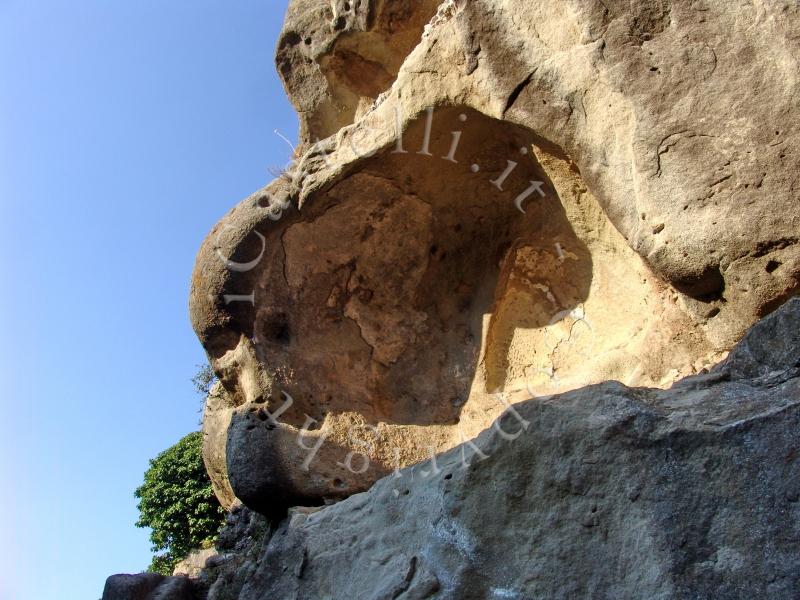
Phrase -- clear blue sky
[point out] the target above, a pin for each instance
(127, 129)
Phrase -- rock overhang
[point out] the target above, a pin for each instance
(361, 251)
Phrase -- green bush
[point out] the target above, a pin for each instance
(176, 501)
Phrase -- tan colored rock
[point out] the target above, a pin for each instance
(602, 492)
(336, 57)
(192, 565)
(216, 420)
(390, 287)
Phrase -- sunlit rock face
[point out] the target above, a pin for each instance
(515, 200)
(336, 58)
(602, 492)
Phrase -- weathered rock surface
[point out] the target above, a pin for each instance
(603, 492)
(194, 563)
(216, 420)
(131, 587)
(389, 286)
(151, 586)
(337, 57)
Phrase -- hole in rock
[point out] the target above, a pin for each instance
(276, 329)
(460, 280)
(416, 292)
(707, 286)
(361, 61)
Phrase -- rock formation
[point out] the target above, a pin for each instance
(493, 200)
(192, 565)
(603, 492)
(538, 223)
(151, 586)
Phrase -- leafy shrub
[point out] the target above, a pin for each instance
(176, 501)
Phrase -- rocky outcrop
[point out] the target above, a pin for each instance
(221, 574)
(151, 586)
(518, 198)
(604, 492)
(217, 414)
(194, 563)
(337, 57)
(473, 326)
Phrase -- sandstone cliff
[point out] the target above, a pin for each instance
(603, 492)
(559, 215)
(517, 198)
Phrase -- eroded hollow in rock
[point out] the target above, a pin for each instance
(461, 269)
(362, 64)
(391, 275)
(337, 57)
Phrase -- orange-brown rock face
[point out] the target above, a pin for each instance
(506, 203)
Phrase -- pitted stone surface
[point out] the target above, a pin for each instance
(390, 286)
(603, 492)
